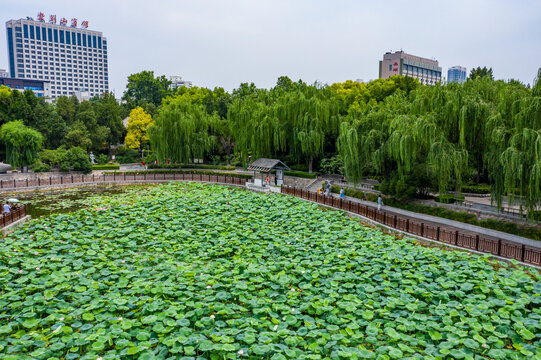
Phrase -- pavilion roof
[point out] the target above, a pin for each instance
(264, 164)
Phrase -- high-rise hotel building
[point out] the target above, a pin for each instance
(427, 71)
(70, 58)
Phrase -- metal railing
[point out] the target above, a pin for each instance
(16, 214)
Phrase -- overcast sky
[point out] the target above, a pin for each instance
(227, 42)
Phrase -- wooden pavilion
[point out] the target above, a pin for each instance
(264, 166)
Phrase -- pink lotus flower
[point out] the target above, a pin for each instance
(20, 271)
(212, 316)
(208, 287)
(123, 261)
(120, 318)
(100, 358)
(61, 319)
(37, 268)
(36, 253)
(240, 352)
(15, 250)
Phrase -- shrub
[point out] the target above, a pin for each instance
(105, 167)
(202, 172)
(358, 194)
(332, 165)
(39, 166)
(299, 167)
(190, 166)
(102, 159)
(301, 174)
(477, 189)
(77, 159)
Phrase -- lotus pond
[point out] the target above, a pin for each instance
(194, 271)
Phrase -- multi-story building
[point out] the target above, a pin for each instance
(427, 71)
(456, 74)
(3, 73)
(39, 87)
(176, 81)
(70, 58)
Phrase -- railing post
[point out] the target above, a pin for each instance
(384, 217)
(499, 246)
(93, 178)
(1, 184)
(26, 182)
(14, 183)
(456, 237)
(145, 176)
(438, 234)
(124, 176)
(523, 251)
(114, 176)
(407, 225)
(72, 178)
(422, 229)
(394, 222)
(39, 182)
(154, 175)
(476, 242)
(50, 180)
(61, 180)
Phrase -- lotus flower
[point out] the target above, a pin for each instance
(20, 271)
(240, 352)
(212, 316)
(37, 268)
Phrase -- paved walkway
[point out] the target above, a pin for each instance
(463, 227)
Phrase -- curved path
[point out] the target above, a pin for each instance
(428, 227)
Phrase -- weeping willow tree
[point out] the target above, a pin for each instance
(22, 143)
(183, 132)
(482, 130)
(299, 122)
(514, 148)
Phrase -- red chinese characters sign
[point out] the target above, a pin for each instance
(74, 22)
(63, 21)
(52, 19)
(41, 17)
(84, 24)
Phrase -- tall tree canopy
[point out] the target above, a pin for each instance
(143, 88)
(138, 124)
(183, 131)
(22, 143)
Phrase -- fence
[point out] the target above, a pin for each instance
(479, 242)
(113, 177)
(16, 214)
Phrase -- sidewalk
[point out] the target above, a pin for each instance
(437, 221)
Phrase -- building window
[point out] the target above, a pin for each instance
(390, 67)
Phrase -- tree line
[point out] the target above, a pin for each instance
(414, 138)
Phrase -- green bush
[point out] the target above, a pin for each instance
(301, 174)
(105, 167)
(358, 194)
(190, 166)
(299, 167)
(77, 159)
(102, 159)
(477, 189)
(202, 172)
(332, 165)
(39, 166)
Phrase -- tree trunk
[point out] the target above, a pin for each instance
(310, 162)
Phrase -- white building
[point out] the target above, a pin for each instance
(70, 58)
(427, 71)
(176, 82)
(3, 73)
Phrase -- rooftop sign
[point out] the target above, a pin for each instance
(63, 21)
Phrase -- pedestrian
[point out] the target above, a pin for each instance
(7, 208)
(380, 202)
(342, 193)
(267, 180)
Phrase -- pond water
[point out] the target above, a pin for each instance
(45, 202)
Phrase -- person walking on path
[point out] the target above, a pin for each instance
(342, 193)
(7, 208)
(380, 202)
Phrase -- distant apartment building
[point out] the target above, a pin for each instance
(39, 87)
(456, 74)
(3, 73)
(176, 82)
(70, 58)
(427, 71)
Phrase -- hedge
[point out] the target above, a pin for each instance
(105, 167)
(448, 198)
(477, 189)
(197, 172)
(300, 174)
(190, 166)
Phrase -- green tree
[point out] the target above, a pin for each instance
(143, 87)
(481, 72)
(183, 132)
(22, 143)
